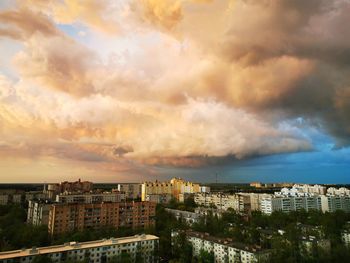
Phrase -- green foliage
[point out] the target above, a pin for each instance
(42, 259)
(14, 233)
(206, 257)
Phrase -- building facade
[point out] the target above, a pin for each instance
(222, 201)
(99, 251)
(70, 217)
(90, 198)
(159, 198)
(174, 187)
(224, 250)
(186, 216)
(38, 213)
(324, 203)
(132, 191)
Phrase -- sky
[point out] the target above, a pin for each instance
(134, 90)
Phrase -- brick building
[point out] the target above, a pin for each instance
(71, 217)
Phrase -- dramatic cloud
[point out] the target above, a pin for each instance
(187, 83)
(95, 13)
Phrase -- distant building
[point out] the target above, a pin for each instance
(90, 198)
(38, 212)
(237, 202)
(98, 251)
(132, 191)
(340, 191)
(76, 187)
(255, 184)
(174, 187)
(224, 250)
(313, 189)
(70, 217)
(255, 200)
(35, 195)
(4, 199)
(322, 203)
(11, 196)
(186, 216)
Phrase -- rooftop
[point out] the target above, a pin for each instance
(74, 246)
(227, 241)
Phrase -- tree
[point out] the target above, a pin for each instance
(206, 257)
(42, 259)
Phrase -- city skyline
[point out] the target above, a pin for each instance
(129, 91)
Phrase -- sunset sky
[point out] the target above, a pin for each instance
(129, 90)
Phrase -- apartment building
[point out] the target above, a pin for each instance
(4, 199)
(289, 203)
(159, 198)
(70, 217)
(99, 251)
(206, 211)
(74, 187)
(35, 195)
(174, 187)
(132, 191)
(322, 203)
(223, 201)
(224, 250)
(38, 212)
(330, 203)
(345, 234)
(186, 216)
(10, 196)
(90, 198)
(313, 189)
(338, 191)
(255, 200)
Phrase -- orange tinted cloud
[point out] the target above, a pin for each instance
(228, 88)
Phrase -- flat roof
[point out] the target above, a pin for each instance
(227, 242)
(75, 246)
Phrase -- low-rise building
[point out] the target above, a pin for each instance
(206, 211)
(345, 234)
(99, 251)
(70, 217)
(186, 216)
(311, 245)
(224, 250)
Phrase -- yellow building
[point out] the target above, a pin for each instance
(175, 187)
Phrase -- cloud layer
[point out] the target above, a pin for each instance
(179, 83)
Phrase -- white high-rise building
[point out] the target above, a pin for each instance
(223, 201)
